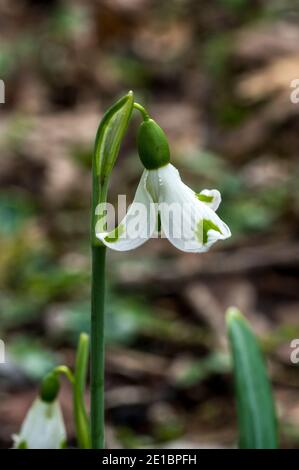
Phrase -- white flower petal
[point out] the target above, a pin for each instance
(188, 223)
(210, 197)
(43, 427)
(137, 226)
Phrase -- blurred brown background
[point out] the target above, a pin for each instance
(216, 76)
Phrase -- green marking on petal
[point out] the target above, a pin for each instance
(159, 225)
(204, 197)
(63, 444)
(115, 234)
(22, 445)
(203, 228)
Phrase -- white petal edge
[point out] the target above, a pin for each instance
(137, 226)
(43, 427)
(180, 225)
(215, 195)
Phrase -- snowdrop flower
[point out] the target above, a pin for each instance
(43, 426)
(162, 200)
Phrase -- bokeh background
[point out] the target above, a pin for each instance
(216, 76)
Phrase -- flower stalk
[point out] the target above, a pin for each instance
(108, 140)
(97, 346)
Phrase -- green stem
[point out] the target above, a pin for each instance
(110, 132)
(97, 346)
(142, 110)
(97, 353)
(66, 371)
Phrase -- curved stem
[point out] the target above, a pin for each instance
(66, 371)
(142, 110)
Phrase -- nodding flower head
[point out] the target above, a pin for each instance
(164, 203)
(43, 426)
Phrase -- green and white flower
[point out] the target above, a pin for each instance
(187, 219)
(42, 428)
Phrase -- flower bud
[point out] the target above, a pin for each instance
(49, 387)
(153, 146)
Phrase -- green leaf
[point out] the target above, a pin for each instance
(110, 134)
(256, 411)
(80, 414)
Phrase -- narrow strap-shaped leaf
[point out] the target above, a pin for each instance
(255, 407)
(80, 414)
(109, 136)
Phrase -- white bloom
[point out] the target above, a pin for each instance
(187, 219)
(42, 428)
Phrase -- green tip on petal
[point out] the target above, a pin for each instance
(63, 444)
(203, 228)
(22, 445)
(204, 197)
(49, 387)
(115, 234)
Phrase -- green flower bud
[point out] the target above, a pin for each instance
(49, 387)
(153, 146)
